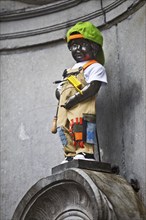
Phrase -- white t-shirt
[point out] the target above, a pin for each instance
(94, 72)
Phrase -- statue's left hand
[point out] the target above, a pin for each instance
(88, 91)
(70, 102)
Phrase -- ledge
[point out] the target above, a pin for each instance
(38, 11)
(83, 164)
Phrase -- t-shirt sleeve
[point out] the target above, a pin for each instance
(95, 73)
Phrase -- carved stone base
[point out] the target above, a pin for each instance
(77, 194)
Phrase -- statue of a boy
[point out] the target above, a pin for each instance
(76, 121)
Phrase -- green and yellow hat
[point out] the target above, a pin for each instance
(87, 31)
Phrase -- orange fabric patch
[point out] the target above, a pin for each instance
(89, 63)
(75, 36)
(78, 136)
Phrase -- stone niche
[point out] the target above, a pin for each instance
(81, 190)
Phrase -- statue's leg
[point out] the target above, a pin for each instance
(83, 134)
(67, 142)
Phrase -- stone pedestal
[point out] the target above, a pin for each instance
(81, 194)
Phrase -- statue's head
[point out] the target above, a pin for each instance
(85, 42)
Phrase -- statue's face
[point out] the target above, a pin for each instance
(81, 50)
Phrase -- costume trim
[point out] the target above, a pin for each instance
(90, 62)
(75, 36)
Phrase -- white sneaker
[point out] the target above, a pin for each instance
(84, 156)
(67, 159)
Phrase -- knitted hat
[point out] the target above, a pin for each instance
(87, 31)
